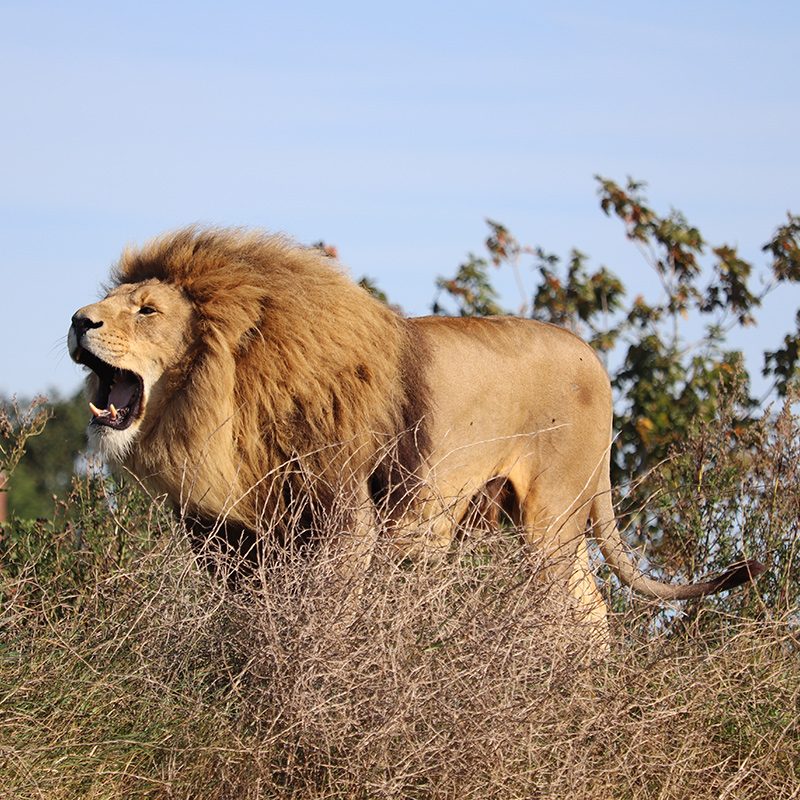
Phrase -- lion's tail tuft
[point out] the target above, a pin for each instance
(604, 526)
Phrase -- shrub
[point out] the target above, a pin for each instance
(128, 671)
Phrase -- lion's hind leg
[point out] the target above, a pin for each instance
(592, 608)
(554, 523)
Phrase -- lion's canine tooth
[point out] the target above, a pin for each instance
(101, 412)
(113, 411)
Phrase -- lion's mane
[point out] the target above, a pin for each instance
(298, 381)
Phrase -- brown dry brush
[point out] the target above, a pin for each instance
(128, 671)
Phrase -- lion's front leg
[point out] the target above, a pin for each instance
(353, 540)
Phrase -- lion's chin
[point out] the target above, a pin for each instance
(114, 446)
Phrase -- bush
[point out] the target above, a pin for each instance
(127, 671)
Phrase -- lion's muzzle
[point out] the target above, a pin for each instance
(81, 323)
(118, 400)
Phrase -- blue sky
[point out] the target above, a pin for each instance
(389, 131)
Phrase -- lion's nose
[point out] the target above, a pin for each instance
(81, 323)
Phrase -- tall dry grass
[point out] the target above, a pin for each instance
(449, 679)
(127, 671)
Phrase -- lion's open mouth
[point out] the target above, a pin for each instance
(119, 396)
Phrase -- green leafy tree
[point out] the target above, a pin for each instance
(784, 247)
(471, 290)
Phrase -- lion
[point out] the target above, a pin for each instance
(246, 377)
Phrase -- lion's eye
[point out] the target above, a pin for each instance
(147, 310)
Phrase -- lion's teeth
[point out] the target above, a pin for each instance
(113, 411)
(100, 412)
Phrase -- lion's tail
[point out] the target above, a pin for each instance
(604, 527)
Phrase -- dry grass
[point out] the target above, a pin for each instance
(127, 671)
(456, 679)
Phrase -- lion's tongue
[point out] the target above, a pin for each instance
(122, 393)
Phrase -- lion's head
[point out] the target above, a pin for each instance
(219, 357)
(131, 341)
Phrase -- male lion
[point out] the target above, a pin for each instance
(245, 377)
